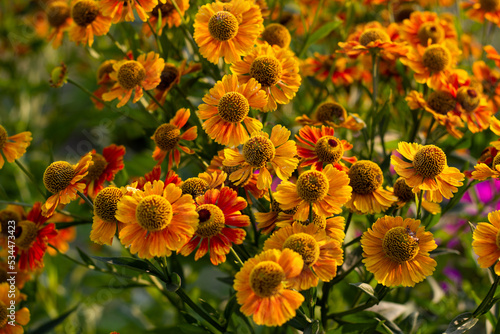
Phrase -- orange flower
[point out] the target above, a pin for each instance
(332, 114)
(167, 137)
(486, 242)
(487, 79)
(227, 105)
(197, 186)
(64, 236)
(169, 16)
(59, 19)
(120, 10)
(424, 26)
(134, 76)
(13, 147)
(22, 315)
(88, 21)
(64, 180)
(321, 65)
(495, 127)
(478, 10)
(267, 221)
(155, 175)
(405, 194)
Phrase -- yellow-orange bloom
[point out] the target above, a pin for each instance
(120, 10)
(59, 20)
(169, 16)
(88, 21)
(424, 26)
(13, 147)
(486, 242)
(479, 10)
(332, 114)
(22, 315)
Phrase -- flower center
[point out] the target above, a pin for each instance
(489, 5)
(372, 35)
(57, 13)
(312, 186)
(496, 160)
(266, 70)
(319, 221)
(277, 34)
(223, 26)
(106, 203)
(403, 191)
(58, 176)
(331, 112)
(258, 150)
(154, 213)
(165, 8)
(84, 12)
(266, 278)
(275, 206)
(468, 98)
(168, 77)
(329, 149)
(97, 168)
(131, 74)
(27, 232)
(432, 31)
(305, 245)
(399, 245)
(441, 102)
(3, 136)
(166, 136)
(105, 68)
(436, 58)
(194, 186)
(366, 177)
(211, 220)
(429, 161)
(5, 216)
(403, 13)
(233, 107)
(3, 315)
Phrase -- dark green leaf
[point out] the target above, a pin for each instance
(409, 324)
(49, 326)
(85, 257)
(443, 251)
(134, 264)
(228, 311)
(461, 324)
(175, 283)
(188, 317)
(366, 288)
(209, 308)
(313, 328)
(323, 32)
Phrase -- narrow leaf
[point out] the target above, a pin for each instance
(134, 264)
(49, 326)
(461, 324)
(366, 288)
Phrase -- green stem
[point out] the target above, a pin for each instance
(186, 299)
(419, 204)
(375, 63)
(308, 34)
(352, 242)
(30, 176)
(157, 39)
(486, 304)
(156, 101)
(117, 44)
(348, 222)
(236, 256)
(86, 199)
(367, 304)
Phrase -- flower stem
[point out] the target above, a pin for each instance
(419, 204)
(156, 101)
(186, 299)
(160, 48)
(486, 304)
(30, 176)
(236, 256)
(348, 222)
(86, 199)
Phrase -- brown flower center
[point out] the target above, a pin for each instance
(3, 315)
(266, 278)
(318, 220)
(166, 136)
(194, 186)
(164, 8)
(436, 58)
(432, 31)
(429, 161)
(331, 112)
(85, 12)
(403, 191)
(266, 70)
(277, 34)
(57, 13)
(106, 203)
(168, 76)
(223, 26)
(5, 216)
(366, 177)
(312, 186)
(3, 136)
(97, 168)
(258, 150)
(468, 98)
(58, 176)
(131, 74)
(441, 102)
(154, 213)
(305, 245)
(399, 245)
(105, 68)
(372, 35)
(489, 5)
(233, 107)
(329, 149)
(211, 220)
(26, 231)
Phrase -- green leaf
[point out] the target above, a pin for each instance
(228, 311)
(209, 308)
(461, 324)
(322, 32)
(313, 328)
(49, 326)
(85, 257)
(188, 317)
(175, 282)
(134, 264)
(410, 323)
(366, 288)
(443, 251)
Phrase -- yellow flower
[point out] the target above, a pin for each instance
(486, 242)
(120, 10)
(22, 315)
(13, 147)
(88, 21)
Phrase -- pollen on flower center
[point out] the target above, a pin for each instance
(211, 220)
(165, 8)
(84, 12)
(489, 5)
(194, 186)
(429, 161)
(318, 220)
(277, 34)
(266, 279)
(329, 149)
(441, 102)
(432, 31)
(436, 58)
(312, 186)
(399, 245)
(97, 168)
(496, 160)
(3, 314)
(154, 213)
(26, 233)
(166, 136)
(131, 74)
(58, 176)
(366, 177)
(106, 203)
(403, 191)
(57, 13)
(372, 35)
(331, 112)
(233, 107)
(258, 150)
(3, 136)
(266, 70)
(305, 245)
(223, 26)
(468, 98)
(167, 76)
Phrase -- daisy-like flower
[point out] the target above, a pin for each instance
(333, 226)
(169, 16)
(276, 34)
(258, 152)
(167, 137)
(104, 81)
(326, 191)
(276, 69)
(197, 186)
(486, 242)
(267, 220)
(154, 175)
(88, 21)
(424, 26)
(59, 19)
(495, 128)
(227, 30)
(320, 253)
(396, 251)
(332, 114)
(120, 10)
(157, 220)
(427, 169)
(220, 222)
(405, 194)
(261, 287)
(486, 80)
(318, 146)
(105, 224)
(134, 76)
(22, 315)
(104, 168)
(368, 195)
(483, 171)
(64, 181)
(479, 10)
(227, 105)
(13, 147)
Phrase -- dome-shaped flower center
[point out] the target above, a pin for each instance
(429, 161)
(489, 5)
(312, 186)
(372, 35)
(331, 112)
(154, 213)
(5, 217)
(305, 245)
(266, 70)
(85, 12)
(166, 136)
(168, 77)
(3, 315)
(131, 74)
(233, 107)
(105, 68)
(403, 191)
(194, 186)
(366, 177)
(3, 136)
(436, 58)
(97, 168)
(211, 220)
(266, 278)
(223, 26)
(432, 31)
(57, 13)
(275, 206)
(26, 233)
(258, 150)
(106, 203)
(165, 8)
(441, 102)
(399, 245)
(496, 160)
(403, 13)
(319, 221)
(468, 98)
(329, 149)
(277, 34)
(58, 176)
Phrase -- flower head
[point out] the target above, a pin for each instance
(88, 20)
(276, 34)
(168, 14)
(59, 19)
(13, 147)
(120, 10)
(332, 114)
(486, 242)
(105, 223)
(479, 10)
(422, 27)
(22, 315)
